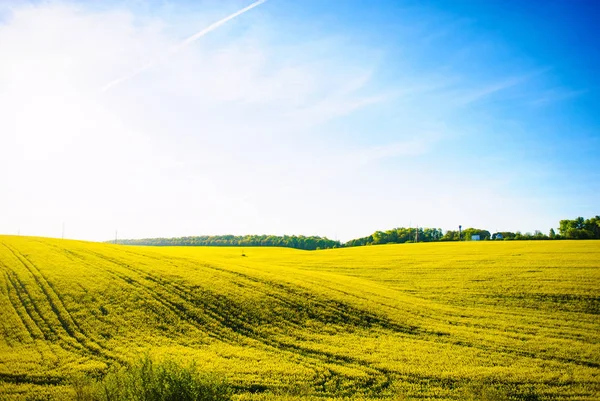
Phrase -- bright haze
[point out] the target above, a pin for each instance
(331, 118)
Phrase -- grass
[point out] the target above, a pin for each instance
(146, 380)
(487, 320)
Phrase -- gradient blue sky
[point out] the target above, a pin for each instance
(332, 118)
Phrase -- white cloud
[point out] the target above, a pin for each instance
(185, 43)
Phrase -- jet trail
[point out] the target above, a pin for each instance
(182, 45)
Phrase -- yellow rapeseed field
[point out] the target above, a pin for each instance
(473, 320)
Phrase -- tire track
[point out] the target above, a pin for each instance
(219, 308)
(380, 377)
(437, 336)
(31, 308)
(18, 307)
(184, 301)
(336, 311)
(26, 320)
(32, 379)
(37, 337)
(47, 329)
(46, 332)
(179, 309)
(219, 317)
(67, 322)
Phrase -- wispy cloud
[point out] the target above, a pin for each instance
(556, 95)
(181, 46)
(487, 90)
(416, 146)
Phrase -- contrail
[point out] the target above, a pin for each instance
(182, 45)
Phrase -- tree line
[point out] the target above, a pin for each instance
(399, 235)
(286, 241)
(578, 228)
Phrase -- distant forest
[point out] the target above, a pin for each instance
(578, 228)
(287, 241)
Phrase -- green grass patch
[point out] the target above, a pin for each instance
(147, 380)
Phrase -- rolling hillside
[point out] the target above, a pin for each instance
(426, 321)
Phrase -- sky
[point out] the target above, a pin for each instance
(334, 118)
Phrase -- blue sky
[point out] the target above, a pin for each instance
(327, 118)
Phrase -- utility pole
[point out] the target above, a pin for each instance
(459, 232)
(417, 234)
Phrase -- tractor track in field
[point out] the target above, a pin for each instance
(181, 306)
(372, 319)
(28, 323)
(346, 312)
(17, 378)
(192, 293)
(176, 306)
(187, 294)
(18, 306)
(184, 301)
(223, 311)
(66, 320)
(337, 312)
(31, 308)
(165, 299)
(26, 309)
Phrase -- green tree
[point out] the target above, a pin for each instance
(450, 236)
